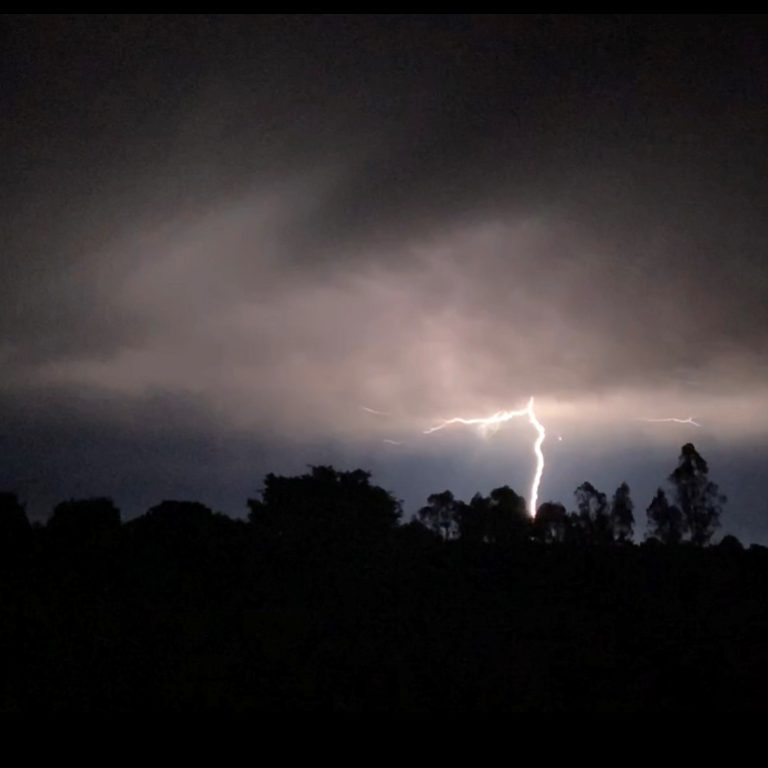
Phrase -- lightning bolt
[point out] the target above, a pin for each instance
(373, 411)
(493, 423)
(690, 420)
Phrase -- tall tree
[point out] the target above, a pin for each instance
(697, 497)
(593, 515)
(665, 520)
(622, 516)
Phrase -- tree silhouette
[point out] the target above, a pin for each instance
(622, 517)
(441, 514)
(551, 523)
(665, 520)
(593, 515)
(13, 517)
(697, 497)
(472, 518)
(15, 530)
(324, 505)
(508, 521)
(500, 518)
(730, 543)
(182, 521)
(84, 520)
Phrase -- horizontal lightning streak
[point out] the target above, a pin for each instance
(373, 411)
(690, 420)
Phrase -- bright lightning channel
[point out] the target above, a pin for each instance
(493, 423)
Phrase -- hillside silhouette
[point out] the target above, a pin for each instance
(326, 599)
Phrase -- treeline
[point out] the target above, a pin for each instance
(323, 600)
(692, 516)
(326, 503)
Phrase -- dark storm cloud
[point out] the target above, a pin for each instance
(279, 220)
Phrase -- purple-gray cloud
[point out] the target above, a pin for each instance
(292, 218)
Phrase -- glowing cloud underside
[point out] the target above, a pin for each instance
(493, 423)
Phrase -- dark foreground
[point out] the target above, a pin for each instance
(199, 612)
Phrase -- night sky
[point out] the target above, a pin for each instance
(227, 240)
